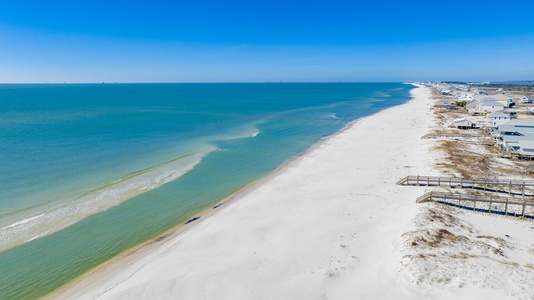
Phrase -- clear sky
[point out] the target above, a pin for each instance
(269, 40)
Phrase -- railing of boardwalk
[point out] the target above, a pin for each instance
(518, 187)
(455, 136)
(508, 206)
(512, 204)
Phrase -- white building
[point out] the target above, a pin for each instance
(466, 97)
(489, 106)
(526, 99)
(510, 143)
(484, 106)
(526, 148)
(463, 123)
(518, 145)
(517, 127)
(471, 106)
(494, 119)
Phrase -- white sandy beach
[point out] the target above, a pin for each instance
(330, 225)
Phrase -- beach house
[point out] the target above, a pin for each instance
(510, 143)
(488, 105)
(483, 106)
(472, 107)
(463, 123)
(516, 137)
(522, 146)
(517, 127)
(466, 97)
(494, 119)
(526, 149)
(526, 99)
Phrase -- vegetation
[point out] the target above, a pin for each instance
(461, 103)
(524, 86)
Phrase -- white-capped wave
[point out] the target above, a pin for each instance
(99, 199)
(250, 131)
(255, 134)
(381, 95)
(21, 222)
(332, 116)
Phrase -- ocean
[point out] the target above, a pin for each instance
(88, 171)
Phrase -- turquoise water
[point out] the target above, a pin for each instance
(88, 171)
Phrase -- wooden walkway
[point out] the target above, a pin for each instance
(462, 182)
(456, 136)
(511, 187)
(442, 110)
(508, 206)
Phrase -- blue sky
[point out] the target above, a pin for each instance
(241, 41)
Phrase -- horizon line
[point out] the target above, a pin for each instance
(203, 82)
(271, 82)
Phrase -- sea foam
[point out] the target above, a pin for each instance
(96, 200)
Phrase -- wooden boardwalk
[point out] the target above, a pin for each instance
(456, 136)
(444, 110)
(508, 206)
(462, 182)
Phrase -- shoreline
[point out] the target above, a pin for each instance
(148, 246)
(105, 271)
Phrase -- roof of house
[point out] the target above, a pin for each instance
(506, 128)
(512, 126)
(499, 113)
(516, 138)
(466, 96)
(524, 145)
(519, 122)
(491, 103)
(462, 122)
